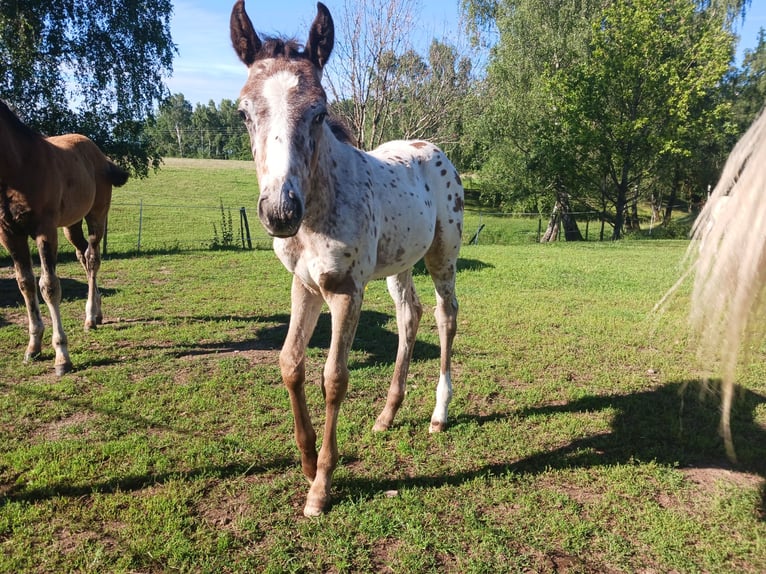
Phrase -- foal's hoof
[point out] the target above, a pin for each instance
(62, 370)
(312, 510)
(31, 357)
(437, 426)
(379, 426)
(315, 506)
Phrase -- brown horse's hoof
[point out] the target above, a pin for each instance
(62, 370)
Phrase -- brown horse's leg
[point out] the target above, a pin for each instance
(306, 306)
(18, 247)
(50, 287)
(89, 255)
(344, 310)
(408, 313)
(443, 275)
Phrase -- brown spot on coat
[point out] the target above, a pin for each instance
(341, 285)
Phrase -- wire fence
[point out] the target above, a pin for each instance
(146, 227)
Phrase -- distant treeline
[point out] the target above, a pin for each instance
(205, 131)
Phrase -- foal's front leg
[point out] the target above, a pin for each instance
(18, 247)
(50, 287)
(345, 308)
(305, 308)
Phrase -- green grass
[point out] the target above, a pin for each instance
(579, 439)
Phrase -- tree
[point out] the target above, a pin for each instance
(206, 131)
(92, 66)
(364, 71)
(172, 126)
(385, 89)
(592, 102)
(640, 95)
(518, 124)
(747, 86)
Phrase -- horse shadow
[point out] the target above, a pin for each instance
(377, 343)
(676, 424)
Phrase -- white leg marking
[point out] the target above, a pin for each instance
(443, 398)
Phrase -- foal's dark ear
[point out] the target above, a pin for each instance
(243, 37)
(321, 37)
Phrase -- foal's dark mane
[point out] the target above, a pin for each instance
(275, 47)
(22, 129)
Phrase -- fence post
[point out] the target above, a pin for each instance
(140, 221)
(243, 220)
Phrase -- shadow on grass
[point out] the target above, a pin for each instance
(675, 424)
(373, 338)
(71, 290)
(138, 482)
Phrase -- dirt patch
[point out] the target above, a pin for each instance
(73, 426)
(708, 479)
(253, 356)
(220, 510)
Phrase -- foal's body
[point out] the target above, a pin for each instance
(47, 183)
(340, 218)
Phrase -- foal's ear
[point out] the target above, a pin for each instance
(321, 37)
(243, 37)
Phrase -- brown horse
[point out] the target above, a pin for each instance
(47, 183)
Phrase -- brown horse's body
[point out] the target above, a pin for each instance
(47, 183)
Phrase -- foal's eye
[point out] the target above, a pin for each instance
(242, 115)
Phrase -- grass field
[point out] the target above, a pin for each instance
(580, 440)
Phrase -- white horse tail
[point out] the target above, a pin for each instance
(729, 264)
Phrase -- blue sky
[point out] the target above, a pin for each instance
(206, 67)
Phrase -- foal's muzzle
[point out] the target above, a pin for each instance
(281, 214)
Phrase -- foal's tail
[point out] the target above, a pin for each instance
(728, 304)
(115, 174)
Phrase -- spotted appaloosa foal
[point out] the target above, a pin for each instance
(340, 218)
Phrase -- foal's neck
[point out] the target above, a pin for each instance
(322, 198)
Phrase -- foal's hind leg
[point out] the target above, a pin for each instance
(18, 247)
(408, 313)
(443, 274)
(50, 287)
(89, 255)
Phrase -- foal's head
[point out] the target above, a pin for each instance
(284, 107)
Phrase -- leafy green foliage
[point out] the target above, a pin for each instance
(90, 66)
(602, 105)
